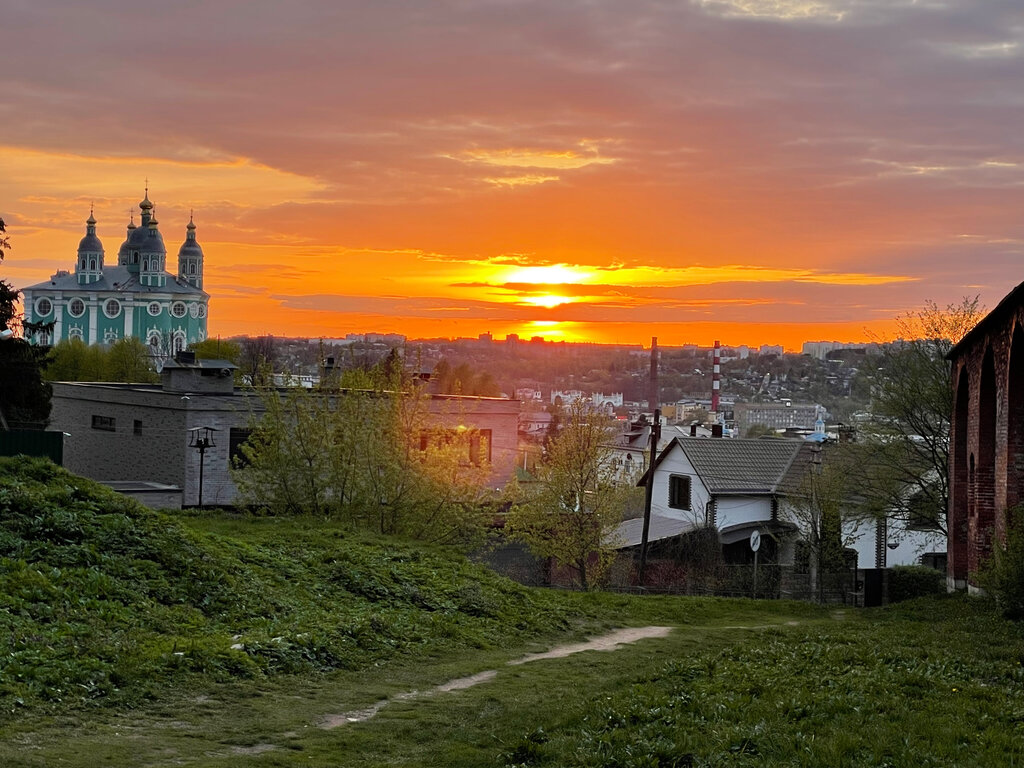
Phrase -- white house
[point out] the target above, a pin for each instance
(743, 485)
(736, 485)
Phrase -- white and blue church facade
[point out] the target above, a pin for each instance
(100, 303)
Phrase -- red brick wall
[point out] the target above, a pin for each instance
(988, 425)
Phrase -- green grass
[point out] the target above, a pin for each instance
(116, 627)
(103, 602)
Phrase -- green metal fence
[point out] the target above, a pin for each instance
(33, 442)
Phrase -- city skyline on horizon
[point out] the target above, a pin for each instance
(754, 171)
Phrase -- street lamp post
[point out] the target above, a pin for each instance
(201, 438)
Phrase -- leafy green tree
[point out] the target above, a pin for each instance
(570, 515)
(69, 361)
(463, 380)
(128, 360)
(24, 396)
(217, 349)
(372, 455)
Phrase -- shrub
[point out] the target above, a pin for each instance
(909, 581)
(1003, 575)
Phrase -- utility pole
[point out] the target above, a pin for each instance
(655, 435)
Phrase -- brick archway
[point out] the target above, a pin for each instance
(956, 525)
(1015, 421)
(984, 481)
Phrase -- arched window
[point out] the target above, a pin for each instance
(192, 268)
(92, 264)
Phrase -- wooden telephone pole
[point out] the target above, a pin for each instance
(655, 435)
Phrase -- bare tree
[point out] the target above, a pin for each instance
(257, 360)
(903, 465)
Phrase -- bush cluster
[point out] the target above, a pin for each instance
(909, 581)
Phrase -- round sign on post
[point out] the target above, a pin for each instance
(755, 541)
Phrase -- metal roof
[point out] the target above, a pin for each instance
(629, 533)
(745, 466)
(115, 280)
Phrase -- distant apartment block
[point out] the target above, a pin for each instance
(771, 349)
(529, 394)
(784, 415)
(598, 400)
(820, 349)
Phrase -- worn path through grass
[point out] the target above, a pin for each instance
(275, 723)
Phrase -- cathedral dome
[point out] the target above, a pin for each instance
(190, 249)
(90, 244)
(145, 240)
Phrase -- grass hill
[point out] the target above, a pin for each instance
(250, 634)
(103, 600)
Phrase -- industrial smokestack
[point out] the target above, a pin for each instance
(652, 395)
(716, 382)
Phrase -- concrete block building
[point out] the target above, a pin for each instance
(141, 432)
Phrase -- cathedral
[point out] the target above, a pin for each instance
(138, 297)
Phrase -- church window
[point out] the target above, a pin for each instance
(178, 309)
(192, 268)
(76, 307)
(154, 340)
(202, 310)
(43, 306)
(153, 308)
(75, 333)
(145, 265)
(92, 264)
(83, 263)
(135, 257)
(179, 343)
(112, 308)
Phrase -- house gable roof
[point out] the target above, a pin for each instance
(744, 466)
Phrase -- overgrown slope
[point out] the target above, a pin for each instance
(103, 600)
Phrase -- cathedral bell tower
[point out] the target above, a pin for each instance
(190, 258)
(89, 266)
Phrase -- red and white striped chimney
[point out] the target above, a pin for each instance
(716, 383)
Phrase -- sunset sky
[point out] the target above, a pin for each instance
(757, 171)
